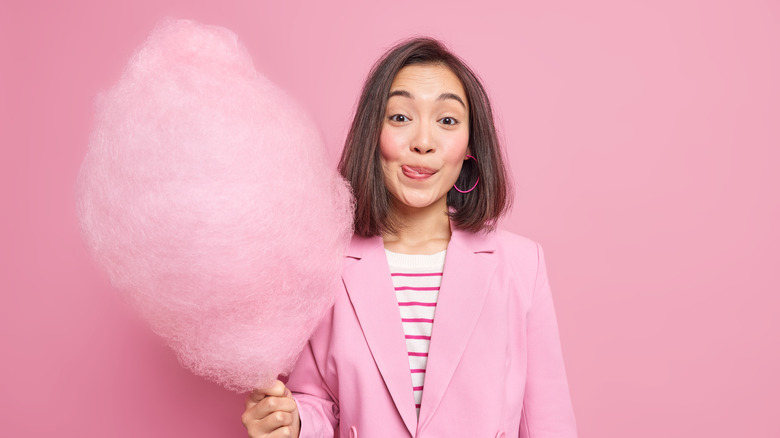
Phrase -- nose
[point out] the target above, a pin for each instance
(423, 141)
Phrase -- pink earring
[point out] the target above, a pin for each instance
(475, 184)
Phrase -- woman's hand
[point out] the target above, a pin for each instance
(271, 412)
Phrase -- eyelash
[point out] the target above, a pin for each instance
(396, 117)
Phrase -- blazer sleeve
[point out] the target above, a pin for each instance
(316, 406)
(547, 409)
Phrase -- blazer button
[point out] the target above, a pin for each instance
(353, 432)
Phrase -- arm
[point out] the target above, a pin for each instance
(317, 409)
(547, 409)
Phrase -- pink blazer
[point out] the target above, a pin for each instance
(495, 367)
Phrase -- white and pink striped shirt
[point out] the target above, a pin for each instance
(416, 279)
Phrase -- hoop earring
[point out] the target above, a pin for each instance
(475, 184)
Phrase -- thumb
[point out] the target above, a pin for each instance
(277, 389)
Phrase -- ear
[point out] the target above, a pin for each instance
(468, 152)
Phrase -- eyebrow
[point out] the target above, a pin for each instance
(443, 96)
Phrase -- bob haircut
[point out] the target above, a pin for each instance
(361, 165)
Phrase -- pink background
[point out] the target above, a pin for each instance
(643, 137)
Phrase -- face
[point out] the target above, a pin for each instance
(425, 136)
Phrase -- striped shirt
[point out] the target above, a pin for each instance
(416, 279)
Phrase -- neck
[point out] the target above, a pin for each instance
(419, 230)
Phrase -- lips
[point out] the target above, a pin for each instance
(417, 172)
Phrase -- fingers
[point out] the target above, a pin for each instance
(283, 432)
(270, 412)
(269, 405)
(277, 424)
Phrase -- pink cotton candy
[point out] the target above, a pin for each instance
(207, 197)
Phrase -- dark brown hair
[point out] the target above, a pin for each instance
(360, 163)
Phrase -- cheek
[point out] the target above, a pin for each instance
(457, 148)
(453, 175)
(388, 146)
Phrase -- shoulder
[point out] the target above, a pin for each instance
(360, 247)
(519, 257)
(505, 245)
(509, 240)
(519, 249)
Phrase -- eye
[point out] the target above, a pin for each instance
(449, 121)
(399, 118)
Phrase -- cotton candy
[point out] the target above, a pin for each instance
(207, 197)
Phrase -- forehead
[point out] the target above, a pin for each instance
(434, 79)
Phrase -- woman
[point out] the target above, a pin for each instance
(468, 345)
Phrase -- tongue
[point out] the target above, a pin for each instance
(416, 170)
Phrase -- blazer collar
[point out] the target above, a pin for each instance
(370, 289)
(471, 242)
(468, 269)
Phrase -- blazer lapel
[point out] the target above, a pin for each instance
(370, 289)
(468, 270)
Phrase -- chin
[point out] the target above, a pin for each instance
(418, 203)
